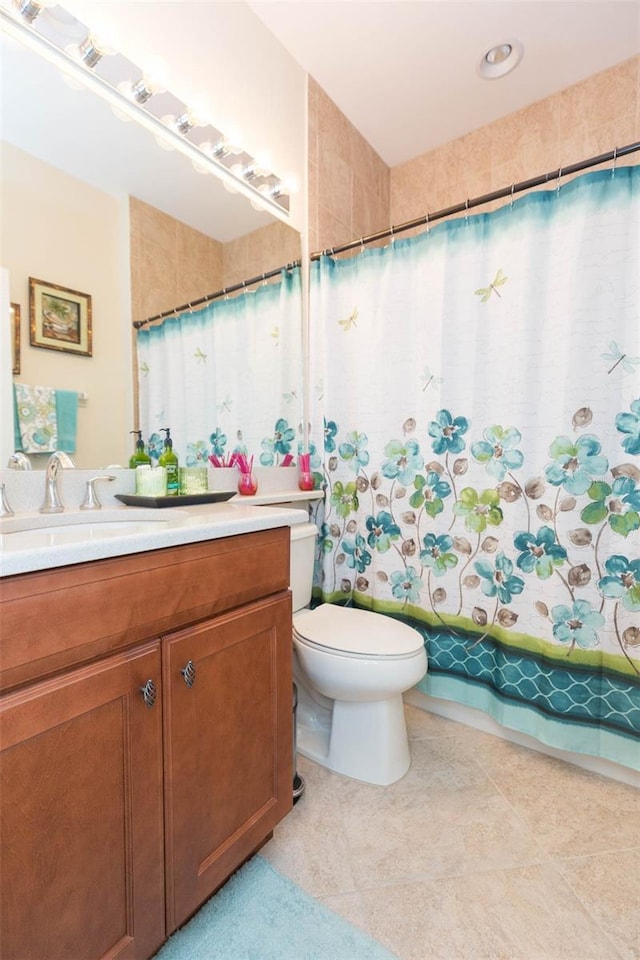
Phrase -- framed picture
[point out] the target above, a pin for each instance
(59, 318)
(14, 316)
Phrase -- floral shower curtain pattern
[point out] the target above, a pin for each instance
(227, 377)
(476, 421)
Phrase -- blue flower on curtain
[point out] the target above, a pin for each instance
(577, 624)
(437, 554)
(315, 459)
(344, 497)
(479, 510)
(622, 581)
(618, 504)
(155, 445)
(629, 423)
(576, 463)
(447, 432)
(497, 450)
(279, 443)
(218, 441)
(540, 552)
(382, 531)
(406, 585)
(354, 451)
(197, 454)
(430, 493)
(403, 462)
(358, 557)
(499, 578)
(330, 430)
(325, 541)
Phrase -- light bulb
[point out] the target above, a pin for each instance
(30, 9)
(91, 50)
(262, 164)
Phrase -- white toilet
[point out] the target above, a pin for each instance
(351, 668)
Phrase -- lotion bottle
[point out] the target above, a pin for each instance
(139, 456)
(169, 460)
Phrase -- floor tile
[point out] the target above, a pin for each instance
(484, 850)
(609, 888)
(522, 914)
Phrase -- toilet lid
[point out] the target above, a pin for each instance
(348, 630)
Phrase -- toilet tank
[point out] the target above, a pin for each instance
(303, 553)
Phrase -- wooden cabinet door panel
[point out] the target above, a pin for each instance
(228, 746)
(81, 828)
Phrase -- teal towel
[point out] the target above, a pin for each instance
(67, 416)
(17, 436)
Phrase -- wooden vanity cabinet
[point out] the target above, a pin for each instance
(81, 827)
(121, 812)
(228, 749)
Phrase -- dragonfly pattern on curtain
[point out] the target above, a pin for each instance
(476, 425)
(226, 378)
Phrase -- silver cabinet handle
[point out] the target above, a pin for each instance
(189, 673)
(149, 693)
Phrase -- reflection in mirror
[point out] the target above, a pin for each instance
(93, 204)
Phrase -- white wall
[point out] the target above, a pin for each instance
(220, 58)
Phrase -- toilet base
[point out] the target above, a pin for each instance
(363, 740)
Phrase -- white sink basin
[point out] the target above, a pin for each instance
(40, 530)
(77, 518)
(40, 537)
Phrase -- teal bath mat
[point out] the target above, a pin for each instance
(260, 915)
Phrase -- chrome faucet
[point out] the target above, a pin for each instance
(5, 509)
(18, 461)
(52, 502)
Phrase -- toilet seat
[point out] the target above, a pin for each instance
(359, 634)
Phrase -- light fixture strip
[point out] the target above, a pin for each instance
(42, 45)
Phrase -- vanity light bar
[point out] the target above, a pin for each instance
(15, 23)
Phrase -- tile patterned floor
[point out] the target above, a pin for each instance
(485, 850)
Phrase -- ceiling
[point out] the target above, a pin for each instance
(404, 71)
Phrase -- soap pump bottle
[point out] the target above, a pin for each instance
(139, 457)
(169, 460)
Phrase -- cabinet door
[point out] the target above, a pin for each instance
(81, 825)
(228, 746)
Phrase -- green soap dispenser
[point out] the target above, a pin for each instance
(139, 456)
(169, 460)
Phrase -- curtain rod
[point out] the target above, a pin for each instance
(425, 220)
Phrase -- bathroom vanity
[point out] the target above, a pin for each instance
(146, 733)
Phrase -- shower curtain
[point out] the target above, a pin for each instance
(475, 418)
(227, 377)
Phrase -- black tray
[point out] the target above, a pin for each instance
(179, 500)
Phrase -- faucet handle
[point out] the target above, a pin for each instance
(18, 461)
(5, 509)
(91, 501)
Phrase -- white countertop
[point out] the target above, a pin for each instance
(77, 536)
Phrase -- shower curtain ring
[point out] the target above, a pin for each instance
(426, 220)
(559, 179)
(513, 187)
(615, 157)
(361, 244)
(466, 210)
(393, 237)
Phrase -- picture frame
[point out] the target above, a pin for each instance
(14, 317)
(59, 318)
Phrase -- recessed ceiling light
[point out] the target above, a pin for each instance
(501, 59)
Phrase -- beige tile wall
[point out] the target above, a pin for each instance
(172, 264)
(348, 182)
(353, 193)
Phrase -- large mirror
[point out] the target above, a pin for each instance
(92, 205)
